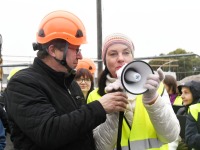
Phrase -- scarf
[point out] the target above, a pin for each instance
(131, 101)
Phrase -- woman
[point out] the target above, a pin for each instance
(85, 80)
(87, 63)
(170, 84)
(171, 87)
(149, 121)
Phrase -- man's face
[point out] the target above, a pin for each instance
(72, 56)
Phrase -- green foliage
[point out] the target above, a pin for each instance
(183, 66)
(178, 51)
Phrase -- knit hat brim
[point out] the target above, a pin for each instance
(116, 38)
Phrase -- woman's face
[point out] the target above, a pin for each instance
(116, 56)
(186, 96)
(84, 83)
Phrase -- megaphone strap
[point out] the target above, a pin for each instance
(119, 135)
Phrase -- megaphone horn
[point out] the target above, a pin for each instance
(134, 76)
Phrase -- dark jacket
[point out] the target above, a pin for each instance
(194, 87)
(192, 132)
(2, 136)
(4, 118)
(45, 109)
(192, 127)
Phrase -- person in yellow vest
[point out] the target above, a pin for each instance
(171, 87)
(87, 63)
(85, 80)
(149, 122)
(189, 96)
(190, 93)
(192, 133)
(12, 73)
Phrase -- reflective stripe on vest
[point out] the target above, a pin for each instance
(195, 110)
(144, 144)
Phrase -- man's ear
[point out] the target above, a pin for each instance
(51, 50)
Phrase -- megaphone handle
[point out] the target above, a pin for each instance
(121, 116)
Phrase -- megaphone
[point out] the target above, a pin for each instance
(134, 76)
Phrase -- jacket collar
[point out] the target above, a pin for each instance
(61, 78)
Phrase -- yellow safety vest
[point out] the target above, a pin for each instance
(178, 101)
(142, 135)
(195, 110)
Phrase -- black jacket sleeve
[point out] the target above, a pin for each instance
(192, 136)
(46, 114)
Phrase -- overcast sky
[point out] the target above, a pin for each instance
(155, 26)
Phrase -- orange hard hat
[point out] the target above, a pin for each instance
(63, 25)
(86, 63)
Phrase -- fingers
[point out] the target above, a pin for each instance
(108, 89)
(114, 102)
(112, 88)
(161, 74)
(120, 96)
(152, 82)
(119, 105)
(115, 86)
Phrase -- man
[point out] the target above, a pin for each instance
(44, 103)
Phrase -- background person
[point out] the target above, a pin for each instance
(190, 93)
(43, 102)
(87, 63)
(192, 130)
(12, 73)
(149, 121)
(172, 89)
(85, 80)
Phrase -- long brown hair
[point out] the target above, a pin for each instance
(82, 72)
(171, 82)
(102, 82)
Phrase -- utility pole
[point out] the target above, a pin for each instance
(99, 37)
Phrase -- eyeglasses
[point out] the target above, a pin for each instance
(80, 80)
(78, 50)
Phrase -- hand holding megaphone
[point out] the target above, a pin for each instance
(113, 87)
(137, 77)
(152, 84)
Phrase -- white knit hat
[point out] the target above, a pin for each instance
(116, 38)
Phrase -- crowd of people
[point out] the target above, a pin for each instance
(55, 105)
